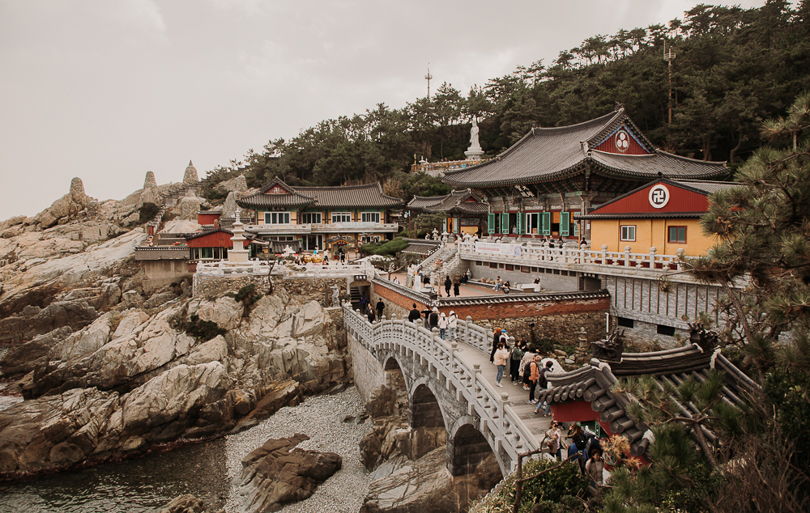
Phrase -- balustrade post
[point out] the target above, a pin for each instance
(627, 256)
(679, 264)
(653, 251)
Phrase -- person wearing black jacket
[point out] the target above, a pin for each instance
(380, 308)
(447, 285)
(434, 319)
(414, 315)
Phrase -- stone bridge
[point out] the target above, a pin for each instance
(450, 385)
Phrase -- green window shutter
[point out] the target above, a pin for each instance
(519, 224)
(505, 222)
(444, 225)
(455, 224)
(546, 228)
(491, 223)
(565, 223)
(576, 229)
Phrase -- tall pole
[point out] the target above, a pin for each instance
(669, 56)
(428, 77)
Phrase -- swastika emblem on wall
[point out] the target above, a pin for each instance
(622, 141)
(659, 196)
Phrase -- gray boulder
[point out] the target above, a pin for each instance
(277, 474)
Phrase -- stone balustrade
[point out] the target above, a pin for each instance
(571, 257)
(497, 421)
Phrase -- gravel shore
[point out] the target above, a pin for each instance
(320, 418)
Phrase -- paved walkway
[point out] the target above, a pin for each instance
(466, 290)
(518, 397)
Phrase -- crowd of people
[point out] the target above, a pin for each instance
(529, 369)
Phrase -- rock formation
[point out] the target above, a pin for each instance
(278, 473)
(149, 181)
(68, 205)
(190, 177)
(188, 206)
(131, 380)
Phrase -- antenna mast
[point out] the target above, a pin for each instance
(669, 56)
(428, 77)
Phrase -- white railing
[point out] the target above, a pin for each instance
(570, 256)
(499, 422)
(224, 268)
(333, 270)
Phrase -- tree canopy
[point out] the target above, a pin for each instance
(734, 68)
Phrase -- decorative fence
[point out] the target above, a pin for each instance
(227, 268)
(569, 255)
(498, 421)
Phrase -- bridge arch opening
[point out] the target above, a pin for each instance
(427, 422)
(395, 380)
(469, 453)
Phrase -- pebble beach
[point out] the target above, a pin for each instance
(321, 418)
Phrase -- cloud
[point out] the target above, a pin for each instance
(143, 15)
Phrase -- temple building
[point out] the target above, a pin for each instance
(535, 186)
(466, 212)
(663, 214)
(321, 218)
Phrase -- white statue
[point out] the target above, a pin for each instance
(335, 295)
(474, 144)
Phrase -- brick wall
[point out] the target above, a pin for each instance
(554, 318)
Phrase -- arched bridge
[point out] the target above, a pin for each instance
(450, 384)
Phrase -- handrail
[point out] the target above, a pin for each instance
(499, 422)
(572, 256)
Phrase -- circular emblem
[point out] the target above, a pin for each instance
(622, 140)
(659, 196)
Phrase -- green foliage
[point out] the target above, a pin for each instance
(558, 491)
(391, 247)
(677, 477)
(788, 391)
(147, 212)
(247, 295)
(203, 330)
(422, 184)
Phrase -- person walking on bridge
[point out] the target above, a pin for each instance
(447, 285)
(501, 357)
(380, 308)
(414, 314)
(452, 325)
(370, 314)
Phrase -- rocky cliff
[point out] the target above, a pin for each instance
(109, 370)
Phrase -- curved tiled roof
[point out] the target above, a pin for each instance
(456, 201)
(368, 195)
(648, 166)
(547, 154)
(261, 199)
(593, 382)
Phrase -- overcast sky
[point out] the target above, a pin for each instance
(107, 90)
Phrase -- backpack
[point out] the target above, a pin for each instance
(517, 353)
(527, 372)
(580, 441)
(542, 382)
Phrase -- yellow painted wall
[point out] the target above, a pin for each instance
(650, 233)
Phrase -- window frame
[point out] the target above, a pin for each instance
(363, 216)
(307, 217)
(626, 237)
(670, 239)
(277, 215)
(341, 215)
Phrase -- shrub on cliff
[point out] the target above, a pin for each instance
(562, 490)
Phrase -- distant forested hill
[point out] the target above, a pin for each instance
(733, 69)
